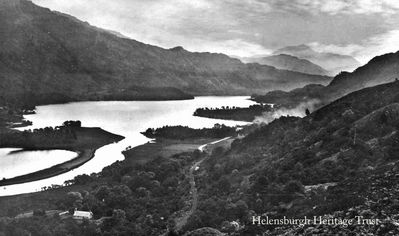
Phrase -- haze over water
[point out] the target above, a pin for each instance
(124, 118)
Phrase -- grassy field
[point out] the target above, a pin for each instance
(14, 205)
(163, 148)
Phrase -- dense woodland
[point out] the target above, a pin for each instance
(48, 135)
(281, 168)
(125, 200)
(336, 161)
(234, 113)
(12, 116)
(70, 135)
(184, 132)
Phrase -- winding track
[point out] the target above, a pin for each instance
(182, 221)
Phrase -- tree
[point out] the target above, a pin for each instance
(118, 216)
(71, 123)
(82, 179)
(73, 200)
(294, 186)
(102, 192)
(224, 184)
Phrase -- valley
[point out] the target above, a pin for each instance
(285, 110)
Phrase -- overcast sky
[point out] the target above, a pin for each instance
(361, 28)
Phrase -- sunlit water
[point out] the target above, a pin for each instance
(15, 162)
(124, 118)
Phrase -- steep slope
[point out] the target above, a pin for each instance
(335, 63)
(46, 56)
(288, 62)
(302, 166)
(379, 70)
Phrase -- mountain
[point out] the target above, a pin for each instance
(47, 56)
(288, 62)
(335, 63)
(381, 69)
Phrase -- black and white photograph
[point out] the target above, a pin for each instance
(199, 117)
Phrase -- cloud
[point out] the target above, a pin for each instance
(235, 47)
(333, 7)
(380, 44)
(197, 25)
(369, 48)
(242, 27)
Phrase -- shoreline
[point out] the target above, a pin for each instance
(29, 112)
(85, 143)
(84, 156)
(167, 147)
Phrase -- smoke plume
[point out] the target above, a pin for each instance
(298, 111)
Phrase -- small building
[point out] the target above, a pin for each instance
(81, 215)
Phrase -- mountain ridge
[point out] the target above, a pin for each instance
(335, 63)
(289, 62)
(48, 52)
(379, 70)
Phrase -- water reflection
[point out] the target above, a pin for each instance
(123, 118)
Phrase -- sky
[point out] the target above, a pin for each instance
(244, 28)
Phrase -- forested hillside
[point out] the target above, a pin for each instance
(306, 166)
(50, 57)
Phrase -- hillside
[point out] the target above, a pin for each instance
(324, 164)
(335, 63)
(381, 69)
(340, 161)
(292, 63)
(50, 57)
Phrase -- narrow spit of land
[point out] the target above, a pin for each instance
(84, 141)
(83, 157)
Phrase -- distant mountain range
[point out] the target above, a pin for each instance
(48, 57)
(288, 62)
(334, 63)
(380, 70)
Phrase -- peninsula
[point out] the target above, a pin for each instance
(70, 136)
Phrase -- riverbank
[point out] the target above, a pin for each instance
(83, 157)
(84, 141)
